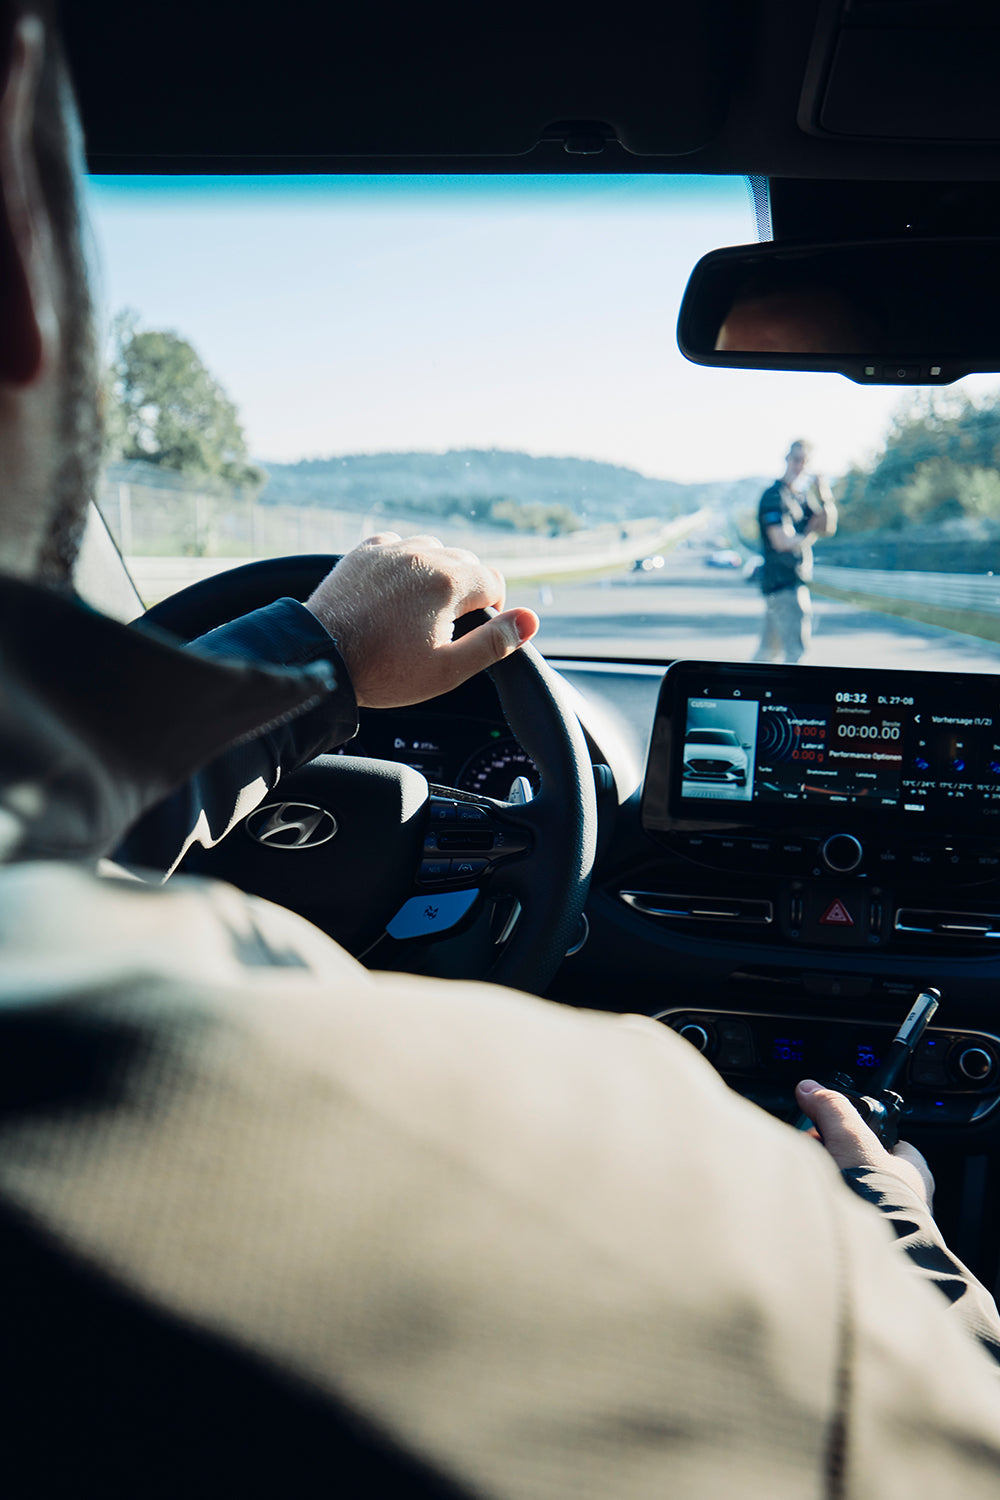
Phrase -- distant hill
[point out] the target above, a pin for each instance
(470, 480)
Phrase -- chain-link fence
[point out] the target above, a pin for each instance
(172, 533)
(156, 513)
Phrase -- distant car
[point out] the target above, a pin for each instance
(647, 564)
(726, 558)
(715, 755)
(751, 569)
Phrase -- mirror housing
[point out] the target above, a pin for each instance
(882, 312)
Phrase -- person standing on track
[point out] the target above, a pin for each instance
(794, 511)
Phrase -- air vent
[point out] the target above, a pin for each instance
(949, 924)
(673, 908)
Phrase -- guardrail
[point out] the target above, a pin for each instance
(975, 592)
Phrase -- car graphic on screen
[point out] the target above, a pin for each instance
(715, 755)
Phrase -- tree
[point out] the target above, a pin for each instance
(939, 462)
(166, 408)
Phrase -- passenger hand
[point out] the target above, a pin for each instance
(839, 1127)
(391, 605)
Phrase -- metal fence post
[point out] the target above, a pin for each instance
(125, 517)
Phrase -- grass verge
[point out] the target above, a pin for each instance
(966, 621)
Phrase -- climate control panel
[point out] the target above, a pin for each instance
(952, 1079)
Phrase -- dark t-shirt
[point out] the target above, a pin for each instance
(784, 570)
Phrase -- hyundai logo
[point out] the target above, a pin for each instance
(291, 825)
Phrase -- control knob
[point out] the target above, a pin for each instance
(842, 853)
(975, 1063)
(695, 1034)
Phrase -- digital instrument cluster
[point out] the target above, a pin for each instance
(774, 746)
(472, 754)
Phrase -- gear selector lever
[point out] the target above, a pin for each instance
(881, 1107)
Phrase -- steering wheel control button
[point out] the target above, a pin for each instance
(461, 838)
(842, 853)
(426, 916)
(432, 870)
(458, 828)
(468, 869)
(444, 811)
(508, 839)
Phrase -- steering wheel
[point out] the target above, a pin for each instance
(510, 917)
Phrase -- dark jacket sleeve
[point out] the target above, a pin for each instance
(919, 1238)
(220, 793)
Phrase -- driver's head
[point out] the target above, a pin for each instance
(49, 428)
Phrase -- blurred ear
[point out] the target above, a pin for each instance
(28, 323)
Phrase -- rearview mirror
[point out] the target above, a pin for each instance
(881, 312)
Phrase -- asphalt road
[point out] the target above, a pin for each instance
(689, 610)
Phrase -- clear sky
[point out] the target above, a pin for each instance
(349, 315)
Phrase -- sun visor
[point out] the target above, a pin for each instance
(921, 71)
(306, 81)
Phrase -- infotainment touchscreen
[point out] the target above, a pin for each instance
(772, 745)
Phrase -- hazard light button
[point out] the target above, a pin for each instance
(832, 914)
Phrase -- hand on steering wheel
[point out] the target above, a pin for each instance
(391, 606)
(354, 884)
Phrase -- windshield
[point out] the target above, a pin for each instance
(296, 363)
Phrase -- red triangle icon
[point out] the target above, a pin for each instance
(837, 915)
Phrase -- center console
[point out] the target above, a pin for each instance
(852, 816)
(855, 809)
